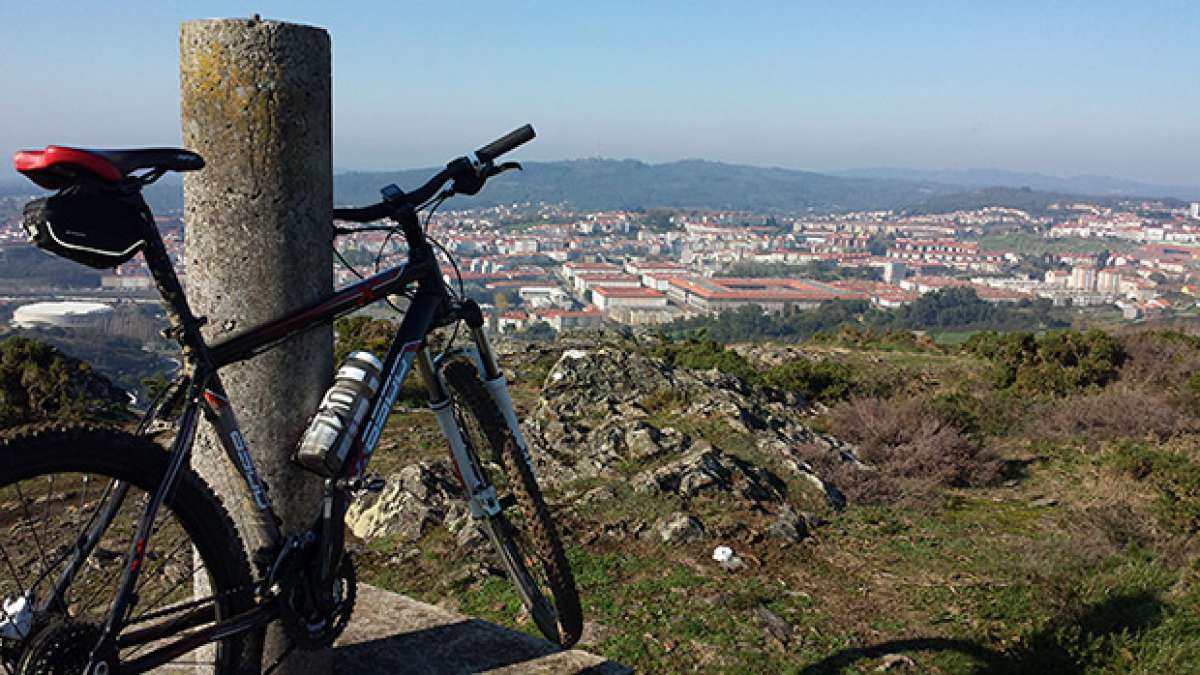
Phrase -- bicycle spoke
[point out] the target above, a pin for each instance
(19, 578)
(32, 525)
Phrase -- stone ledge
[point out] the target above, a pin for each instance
(392, 633)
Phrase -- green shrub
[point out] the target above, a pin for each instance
(1057, 363)
(706, 354)
(37, 382)
(362, 333)
(1175, 477)
(824, 381)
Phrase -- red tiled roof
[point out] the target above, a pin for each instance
(590, 311)
(617, 292)
(767, 290)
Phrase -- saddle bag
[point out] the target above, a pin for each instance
(91, 224)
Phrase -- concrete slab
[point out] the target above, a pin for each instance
(392, 633)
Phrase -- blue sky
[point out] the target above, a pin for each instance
(1066, 88)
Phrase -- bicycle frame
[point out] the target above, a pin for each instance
(204, 394)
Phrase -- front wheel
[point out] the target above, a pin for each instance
(525, 537)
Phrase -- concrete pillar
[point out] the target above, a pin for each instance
(256, 105)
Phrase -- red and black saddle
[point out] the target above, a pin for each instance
(57, 167)
(97, 216)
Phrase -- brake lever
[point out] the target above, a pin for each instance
(497, 170)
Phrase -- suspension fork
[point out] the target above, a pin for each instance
(494, 381)
(481, 496)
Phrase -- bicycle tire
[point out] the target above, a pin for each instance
(563, 621)
(58, 451)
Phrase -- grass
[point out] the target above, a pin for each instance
(987, 582)
(1101, 578)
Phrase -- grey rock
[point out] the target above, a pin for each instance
(895, 662)
(416, 499)
(789, 526)
(707, 469)
(471, 537)
(679, 527)
(598, 494)
(777, 628)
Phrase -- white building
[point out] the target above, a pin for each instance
(893, 272)
(63, 315)
(609, 297)
(1083, 278)
(1108, 281)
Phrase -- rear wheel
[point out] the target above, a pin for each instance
(55, 481)
(523, 532)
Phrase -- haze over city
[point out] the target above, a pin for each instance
(1102, 88)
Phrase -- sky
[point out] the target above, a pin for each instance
(1089, 87)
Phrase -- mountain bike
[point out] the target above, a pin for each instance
(120, 558)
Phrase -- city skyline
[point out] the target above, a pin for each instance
(1023, 88)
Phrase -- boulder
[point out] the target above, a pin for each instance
(679, 527)
(415, 499)
(789, 526)
(706, 469)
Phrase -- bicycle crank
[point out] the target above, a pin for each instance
(313, 617)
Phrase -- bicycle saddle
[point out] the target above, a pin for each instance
(57, 166)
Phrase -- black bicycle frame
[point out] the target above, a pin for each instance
(430, 308)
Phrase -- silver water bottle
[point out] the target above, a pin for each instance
(331, 432)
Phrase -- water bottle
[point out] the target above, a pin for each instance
(331, 432)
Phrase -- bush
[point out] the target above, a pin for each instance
(879, 340)
(1175, 477)
(1119, 411)
(1163, 360)
(362, 333)
(706, 354)
(915, 453)
(824, 381)
(37, 382)
(1056, 364)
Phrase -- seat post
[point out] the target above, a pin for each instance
(185, 326)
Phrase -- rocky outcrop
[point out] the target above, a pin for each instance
(417, 498)
(609, 419)
(706, 469)
(600, 414)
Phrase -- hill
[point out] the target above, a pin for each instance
(630, 184)
(1024, 503)
(1026, 199)
(599, 184)
(1102, 186)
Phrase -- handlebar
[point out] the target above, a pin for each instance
(506, 143)
(471, 175)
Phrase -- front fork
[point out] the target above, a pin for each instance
(481, 496)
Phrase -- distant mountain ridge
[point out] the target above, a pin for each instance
(1102, 186)
(631, 184)
(595, 184)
